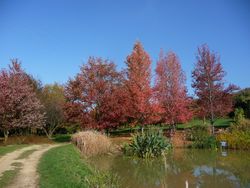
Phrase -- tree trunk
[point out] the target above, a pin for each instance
(48, 133)
(213, 129)
(204, 120)
(142, 129)
(107, 132)
(212, 124)
(6, 134)
(174, 128)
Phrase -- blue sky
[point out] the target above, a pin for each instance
(53, 38)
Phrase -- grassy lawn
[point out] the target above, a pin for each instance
(7, 149)
(63, 167)
(62, 138)
(223, 122)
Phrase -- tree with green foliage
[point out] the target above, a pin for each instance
(238, 115)
(242, 100)
(52, 97)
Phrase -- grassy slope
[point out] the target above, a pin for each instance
(224, 122)
(7, 149)
(62, 167)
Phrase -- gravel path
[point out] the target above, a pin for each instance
(28, 175)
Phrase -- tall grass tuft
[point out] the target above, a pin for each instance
(91, 143)
(148, 144)
(102, 180)
(201, 138)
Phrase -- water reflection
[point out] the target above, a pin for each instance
(201, 168)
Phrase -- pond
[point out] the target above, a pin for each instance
(199, 168)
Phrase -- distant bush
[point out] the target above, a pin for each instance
(238, 137)
(201, 138)
(239, 115)
(149, 144)
(91, 143)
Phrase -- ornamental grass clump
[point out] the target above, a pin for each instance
(148, 144)
(91, 143)
(201, 138)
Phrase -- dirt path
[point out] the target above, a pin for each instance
(27, 176)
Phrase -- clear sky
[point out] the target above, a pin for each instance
(53, 38)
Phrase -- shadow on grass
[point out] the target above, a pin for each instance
(61, 138)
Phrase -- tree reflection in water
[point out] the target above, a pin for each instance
(201, 168)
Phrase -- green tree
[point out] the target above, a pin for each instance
(239, 115)
(52, 97)
(242, 100)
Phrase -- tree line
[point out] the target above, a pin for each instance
(101, 97)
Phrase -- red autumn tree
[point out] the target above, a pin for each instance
(19, 106)
(138, 85)
(170, 90)
(95, 97)
(213, 98)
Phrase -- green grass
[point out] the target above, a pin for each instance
(8, 176)
(7, 149)
(26, 154)
(62, 138)
(190, 124)
(63, 167)
(223, 122)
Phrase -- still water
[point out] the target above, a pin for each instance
(199, 168)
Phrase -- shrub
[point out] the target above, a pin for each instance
(102, 180)
(91, 143)
(239, 115)
(201, 138)
(238, 137)
(148, 144)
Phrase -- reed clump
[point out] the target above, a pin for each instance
(91, 143)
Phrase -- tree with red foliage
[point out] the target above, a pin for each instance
(95, 98)
(19, 106)
(213, 98)
(138, 85)
(170, 90)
